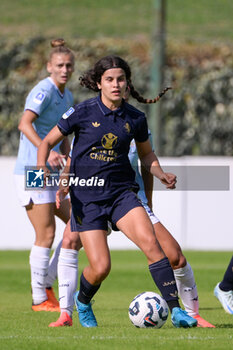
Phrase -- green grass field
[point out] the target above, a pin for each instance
(186, 19)
(20, 328)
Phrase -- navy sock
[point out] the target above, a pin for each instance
(163, 277)
(227, 282)
(87, 290)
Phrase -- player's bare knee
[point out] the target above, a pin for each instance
(50, 235)
(152, 249)
(45, 238)
(102, 270)
(67, 242)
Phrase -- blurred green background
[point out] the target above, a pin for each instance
(197, 115)
(201, 20)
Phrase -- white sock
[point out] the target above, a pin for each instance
(39, 262)
(52, 269)
(187, 289)
(67, 279)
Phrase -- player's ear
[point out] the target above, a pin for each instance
(99, 86)
(49, 67)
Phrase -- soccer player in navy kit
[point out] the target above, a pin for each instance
(68, 258)
(44, 106)
(104, 127)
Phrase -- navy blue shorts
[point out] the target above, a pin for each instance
(95, 215)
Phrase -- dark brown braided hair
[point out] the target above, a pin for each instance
(93, 76)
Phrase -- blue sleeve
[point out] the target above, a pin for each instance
(71, 98)
(37, 100)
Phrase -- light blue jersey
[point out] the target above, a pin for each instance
(46, 100)
(133, 158)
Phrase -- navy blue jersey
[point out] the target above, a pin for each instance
(100, 152)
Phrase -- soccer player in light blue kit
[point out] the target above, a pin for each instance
(44, 106)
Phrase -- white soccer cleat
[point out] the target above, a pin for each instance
(225, 298)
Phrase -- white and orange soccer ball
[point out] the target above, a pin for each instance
(148, 309)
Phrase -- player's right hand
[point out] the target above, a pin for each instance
(56, 160)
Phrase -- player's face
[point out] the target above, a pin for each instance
(113, 85)
(60, 67)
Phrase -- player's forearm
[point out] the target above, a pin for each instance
(43, 153)
(65, 147)
(151, 163)
(148, 184)
(65, 175)
(28, 130)
(51, 140)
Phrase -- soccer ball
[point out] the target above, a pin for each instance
(148, 309)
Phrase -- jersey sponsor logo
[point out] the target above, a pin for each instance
(68, 113)
(95, 124)
(109, 141)
(103, 154)
(39, 98)
(127, 127)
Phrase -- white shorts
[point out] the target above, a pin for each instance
(152, 216)
(34, 196)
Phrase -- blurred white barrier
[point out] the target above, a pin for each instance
(197, 216)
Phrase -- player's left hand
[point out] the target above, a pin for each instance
(169, 180)
(60, 196)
